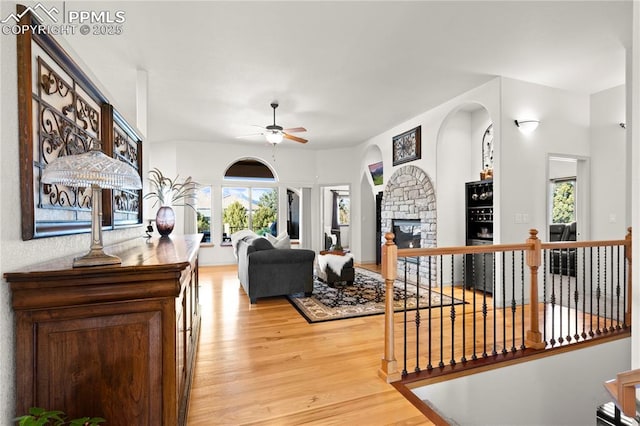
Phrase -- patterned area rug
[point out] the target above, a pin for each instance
(364, 297)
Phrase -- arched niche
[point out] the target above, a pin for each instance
(459, 159)
(367, 235)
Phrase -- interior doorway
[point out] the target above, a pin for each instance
(568, 183)
(335, 217)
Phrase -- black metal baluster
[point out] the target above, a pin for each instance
(453, 313)
(429, 364)
(560, 337)
(441, 363)
(604, 300)
(624, 288)
(484, 305)
(522, 346)
(576, 294)
(591, 292)
(553, 299)
(475, 313)
(618, 288)
(598, 294)
(544, 294)
(404, 366)
(417, 319)
(504, 303)
(568, 268)
(493, 296)
(513, 301)
(464, 309)
(584, 293)
(612, 311)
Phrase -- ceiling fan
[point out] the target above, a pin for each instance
(275, 133)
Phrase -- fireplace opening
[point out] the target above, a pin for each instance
(407, 233)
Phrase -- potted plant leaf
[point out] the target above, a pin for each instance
(40, 417)
(169, 193)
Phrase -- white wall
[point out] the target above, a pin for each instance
(433, 131)
(608, 164)
(207, 162)
(562, 168)
(454, 149)
(562, 389)
(521, 163)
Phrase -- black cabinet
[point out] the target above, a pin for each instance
(479, 231)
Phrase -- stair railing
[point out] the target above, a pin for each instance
(584, 285)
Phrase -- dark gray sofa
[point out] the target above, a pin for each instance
(563, 261)
(266, 271)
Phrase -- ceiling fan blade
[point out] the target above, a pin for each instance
(295, 130)
(294, 138)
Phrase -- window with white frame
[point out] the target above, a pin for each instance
(203, 212)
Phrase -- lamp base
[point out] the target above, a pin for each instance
(96, 258)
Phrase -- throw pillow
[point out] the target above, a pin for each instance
(281, 241)
(261, 244)
(237, 236)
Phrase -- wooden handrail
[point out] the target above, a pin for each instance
(443, 251)
(579, 244)
(623, 391)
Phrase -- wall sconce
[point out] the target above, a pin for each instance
(527, 126)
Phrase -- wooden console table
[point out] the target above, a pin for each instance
(117, 342)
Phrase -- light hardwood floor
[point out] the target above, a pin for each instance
(264, 364)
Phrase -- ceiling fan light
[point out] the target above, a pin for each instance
(274, 137)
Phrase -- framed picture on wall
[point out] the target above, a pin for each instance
(406, 146)
(376, 173)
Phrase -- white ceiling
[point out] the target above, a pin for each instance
(344, 70)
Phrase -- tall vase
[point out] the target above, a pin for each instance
(165, 220)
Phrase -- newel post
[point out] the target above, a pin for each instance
(627, 243)
(389, 366)
(534, 260)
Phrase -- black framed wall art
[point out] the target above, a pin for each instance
(406, 146)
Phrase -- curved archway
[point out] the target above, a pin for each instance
(459, 160)
(410, 196)
(371, 183)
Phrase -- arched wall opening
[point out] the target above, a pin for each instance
(409, 211)
(459, 159)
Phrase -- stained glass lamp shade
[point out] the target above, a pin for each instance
(94, 170)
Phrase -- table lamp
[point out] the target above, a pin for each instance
(94, 170)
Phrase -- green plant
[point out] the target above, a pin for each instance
(236, 216)
(41, 417)
(171, 192)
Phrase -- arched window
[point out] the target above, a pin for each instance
(251, 205)
(249, 169)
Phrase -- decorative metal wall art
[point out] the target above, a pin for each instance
(406, 146)
(61, 112)
(487, 148)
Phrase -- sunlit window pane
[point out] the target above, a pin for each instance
(203, 212)
(563, 201)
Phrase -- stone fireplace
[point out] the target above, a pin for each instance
(409, 205)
